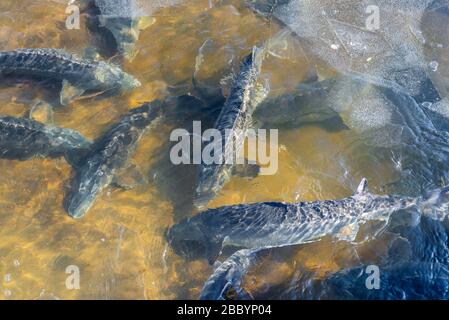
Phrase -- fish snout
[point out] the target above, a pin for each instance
(77, 204)
(186, 240)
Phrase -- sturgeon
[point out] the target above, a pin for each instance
(120, 21)
(277, 224)
(78, 75)
(23, 138)
(107, 157)
(235, 117)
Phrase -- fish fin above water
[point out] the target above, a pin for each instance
(69, 93)
(129, 178)
(247, 170)
(42, 112)
(362, 188)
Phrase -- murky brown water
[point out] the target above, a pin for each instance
(119, 245)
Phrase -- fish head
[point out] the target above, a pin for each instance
(188, 240)
(110, 76)
(83, 192)
(125, 30)
(142, 116)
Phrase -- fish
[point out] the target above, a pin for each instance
(278, 224)
(120, 20)
(107, 157)
(226, 281)
(385, 122)
(24, 138)
(417, 260)
(307, 104)
(411, 281)
(236, 115)
(417, 269)
(77, 75)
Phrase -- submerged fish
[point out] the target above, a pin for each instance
(78, 75)
(415, 267)
(107, 157)
(276, 224)
(393, 50)
(236, 117)
(226, 281)
(123, 19)
(23, 138)
(307, 104)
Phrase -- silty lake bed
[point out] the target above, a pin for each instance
(349, 103)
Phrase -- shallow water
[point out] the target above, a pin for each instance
(119, 246)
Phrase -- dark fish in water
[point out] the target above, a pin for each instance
(386, 121)
(346, 41)
(119, 20)
(236, 116)
(22, 138)
(411, 281)
(274, 224)
(414, 281)
(307, 104)
(226, 281)
(107, 157)
(415, 267)
(76, 74)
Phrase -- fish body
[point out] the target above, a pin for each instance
(23, 138)
(235, 117)
(107, 157)
(277, 224)
(226, 281)
(123, 19)
(417, 271)
(78, 75)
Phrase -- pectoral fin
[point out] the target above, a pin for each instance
(42, 112)
(69, 93)
(129, 178)
(145, 22)
(348, 233)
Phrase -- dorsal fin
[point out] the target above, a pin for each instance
(363, 187)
